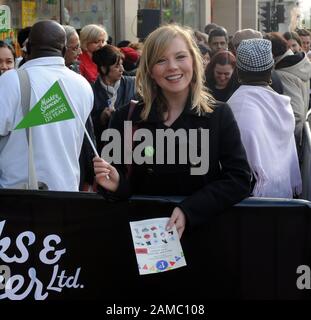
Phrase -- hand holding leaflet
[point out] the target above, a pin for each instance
(156, 248)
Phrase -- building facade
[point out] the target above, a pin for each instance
(120, 16)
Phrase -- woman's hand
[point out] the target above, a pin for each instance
(106, 175)
(106, 115)
(179, 219)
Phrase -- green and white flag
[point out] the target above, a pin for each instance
(52, 107)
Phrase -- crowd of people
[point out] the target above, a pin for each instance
(245, 96)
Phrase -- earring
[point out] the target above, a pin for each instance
(270, 82)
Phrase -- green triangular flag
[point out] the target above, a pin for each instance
(52, 107)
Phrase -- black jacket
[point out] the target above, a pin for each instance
(221, 94)
(226, 182)
(126, 92)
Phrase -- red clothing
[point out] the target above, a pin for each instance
(88, 68)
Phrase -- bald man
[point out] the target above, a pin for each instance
(56, 146)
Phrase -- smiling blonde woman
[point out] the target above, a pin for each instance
(170, 80)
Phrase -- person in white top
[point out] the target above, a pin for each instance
(266, 122)
(57, 145)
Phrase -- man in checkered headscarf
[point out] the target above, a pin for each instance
(266, 123)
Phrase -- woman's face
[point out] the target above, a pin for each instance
(115, 73)
(6, 60)
(96, 44)
(222, 75)
(173, 71)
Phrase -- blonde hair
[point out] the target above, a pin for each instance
(154, 47)
(91, 33)
(136, 45)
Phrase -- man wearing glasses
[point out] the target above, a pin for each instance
(73, 49)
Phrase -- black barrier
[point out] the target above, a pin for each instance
(252, 251)
(306, 159)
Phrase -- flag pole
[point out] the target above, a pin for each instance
(78, 116)
(62, 85)
(32, 177)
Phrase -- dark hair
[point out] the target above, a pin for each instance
(231, 46)
(279, 43)
(123, 43)
(222, 58)
(209, 27)
(107, 56)
(110, 40)
(3, 44)
(204, 49)
(292, 35)
(22, 35)
(218, 32)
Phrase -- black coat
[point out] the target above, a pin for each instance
(221, 94)
(226, 182)
(126, 93)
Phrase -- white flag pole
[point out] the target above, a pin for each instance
(60, 81)
(62, 85)
(32, 177)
